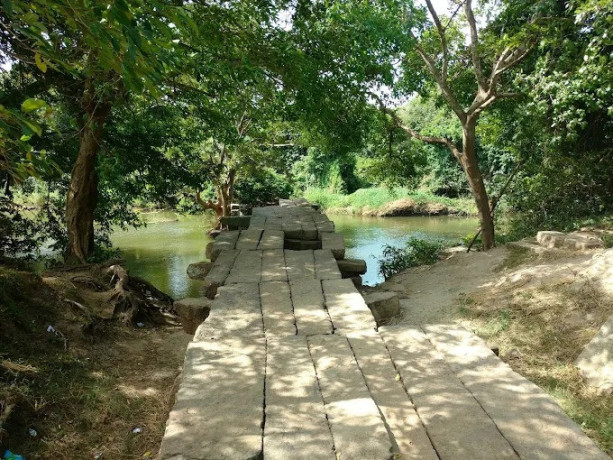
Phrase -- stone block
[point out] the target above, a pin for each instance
(199, 270)
(351, 267)
(596, 360)
(383, 305)
(192, 312)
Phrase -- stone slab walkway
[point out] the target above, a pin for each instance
(290, 365)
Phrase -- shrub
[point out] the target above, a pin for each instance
(417, 252)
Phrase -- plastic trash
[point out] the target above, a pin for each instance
(50, 328)
(140, 324)
(8, 455)
(137, 430)
(32, 432)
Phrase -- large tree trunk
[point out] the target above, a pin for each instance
(82, 195)
(475, 180)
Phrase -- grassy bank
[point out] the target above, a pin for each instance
(381, 201)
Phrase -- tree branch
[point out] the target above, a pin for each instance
(415, 134)
(474, 43)
(441, 33)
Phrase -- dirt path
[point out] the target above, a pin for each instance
(429, 294)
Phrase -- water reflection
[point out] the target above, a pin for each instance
(365, 237)
(161, 252)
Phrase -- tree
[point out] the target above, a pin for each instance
(444, 56)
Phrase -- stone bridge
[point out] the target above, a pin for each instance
(290, 364)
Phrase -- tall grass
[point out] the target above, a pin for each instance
(374, 198)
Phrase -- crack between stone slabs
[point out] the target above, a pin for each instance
(325, 306)
(261, 456)
(390, 433)
(323, 401)
(404, 387)
(291, 301)
(470, 392)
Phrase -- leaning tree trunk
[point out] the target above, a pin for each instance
(475, 180)
(82, 195)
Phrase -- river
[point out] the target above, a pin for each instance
(161, 251)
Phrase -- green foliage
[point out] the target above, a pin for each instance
(372, 199)
(262, 189)
(607, 239)
(417, 252)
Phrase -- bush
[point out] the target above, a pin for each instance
(417, 252)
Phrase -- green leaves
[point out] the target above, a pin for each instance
(29, 105)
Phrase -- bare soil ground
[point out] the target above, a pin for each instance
(540, 310)
(73, 395)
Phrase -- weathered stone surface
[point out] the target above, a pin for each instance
(410, 440)
(300, 264)
(574, 241)
(277, 309)
(308, 302)
(224, 242)
(596, 360)
(325, 265)
(219, 272)
(346, 307)
(457, 425)
(247, 268)
(357, 427)
(272, 239)
(236, 311)
(309, 230)
(296, 425)
(192, 312)
(273, 265)
(527, 417)
(351, 267)
(383, 305)
(335, 242)
(301, 245)
(249, 240)
(235, 222)
(218, 411)
(199, 270)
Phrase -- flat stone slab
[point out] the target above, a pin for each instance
(528, 417)
(225, 241)
(325, 265)
(347, 307)
(236, 311)
(296, 425)
(219, 407)
(300, 264)
(249, 240)
(409, 437)
(219, 272)
(273, 265)
(458, 427)
(357, 427)
(596, 360)
(308, 303)
(247, 268)
(277, 310)
(272, 239)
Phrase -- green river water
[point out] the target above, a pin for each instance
(161, 251)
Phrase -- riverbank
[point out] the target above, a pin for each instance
(386, 202)
(70, 391)
(539, 310)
